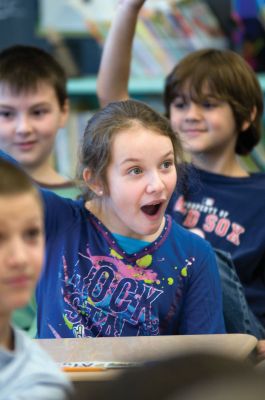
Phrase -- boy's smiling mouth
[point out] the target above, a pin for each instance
(26, 145)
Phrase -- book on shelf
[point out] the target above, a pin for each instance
(164, 36)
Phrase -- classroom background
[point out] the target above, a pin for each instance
(74, 32)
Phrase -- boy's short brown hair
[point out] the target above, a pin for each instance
(23, 68)
(229, 78)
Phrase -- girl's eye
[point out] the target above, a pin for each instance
(167, 164)
(135, 171)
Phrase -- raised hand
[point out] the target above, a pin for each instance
(114, 71)
(134, 3)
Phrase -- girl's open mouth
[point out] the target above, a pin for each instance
(151, 209)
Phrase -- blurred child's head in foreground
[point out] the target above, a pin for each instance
(21, 237)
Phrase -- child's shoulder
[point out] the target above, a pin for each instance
(188, 238)
(258, 176)
(61, 211)
(51, 198)
(37, 371)
(7, 157)
(254, 178)
(201, 182)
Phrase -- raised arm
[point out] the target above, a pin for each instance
(114, 70)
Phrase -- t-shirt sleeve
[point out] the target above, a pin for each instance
(59, 212)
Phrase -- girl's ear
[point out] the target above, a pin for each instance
(94, 185)
(246, 124)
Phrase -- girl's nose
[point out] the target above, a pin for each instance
(155, 183)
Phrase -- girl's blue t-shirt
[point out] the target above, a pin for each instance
(170, 286)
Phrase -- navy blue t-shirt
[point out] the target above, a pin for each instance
(230, 213)
(92, 287)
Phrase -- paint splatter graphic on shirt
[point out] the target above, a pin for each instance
(113, 297)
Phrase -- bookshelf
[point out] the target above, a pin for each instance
(144, 86)
(163, 36)
(86, 86)
(166, 31)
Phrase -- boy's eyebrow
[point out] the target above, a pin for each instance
(39, 104)
(134, 159)
(203, 96)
